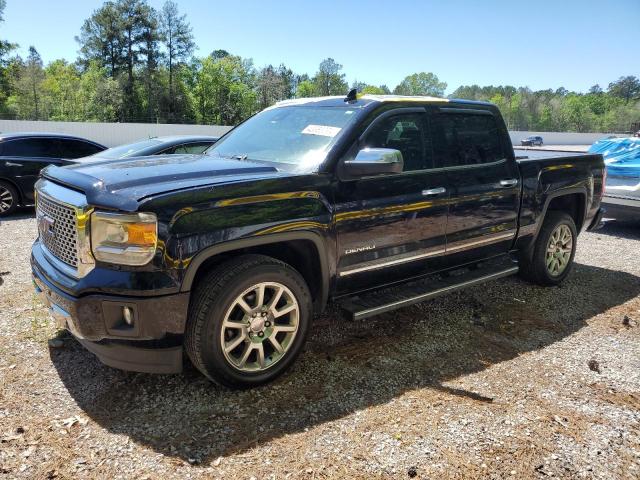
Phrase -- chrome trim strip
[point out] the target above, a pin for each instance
(491, 239)
(389, 263)
(462, 246)
(426, 296)
(528, 229)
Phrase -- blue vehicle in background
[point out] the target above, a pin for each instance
(622, 194)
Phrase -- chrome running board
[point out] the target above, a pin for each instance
(402, 295)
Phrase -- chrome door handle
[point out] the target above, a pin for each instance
(433, 191)
(511, 182)
(12, 164)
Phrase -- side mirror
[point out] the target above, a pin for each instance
(374, 161)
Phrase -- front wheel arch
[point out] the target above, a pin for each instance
(316, 274)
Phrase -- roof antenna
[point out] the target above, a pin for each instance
(352, 96)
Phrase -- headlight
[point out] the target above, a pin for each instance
(126, 239)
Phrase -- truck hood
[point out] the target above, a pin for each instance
(122, 184)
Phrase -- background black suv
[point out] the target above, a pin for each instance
(23, 155)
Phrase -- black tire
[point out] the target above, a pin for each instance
(534, 268)
(8, 196)
(215, 294)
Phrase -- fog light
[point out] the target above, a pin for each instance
(127, 314)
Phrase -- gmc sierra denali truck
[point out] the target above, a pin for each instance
(371, 202)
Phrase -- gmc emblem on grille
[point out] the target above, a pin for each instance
(46, 224)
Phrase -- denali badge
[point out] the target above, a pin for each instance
(349, 251)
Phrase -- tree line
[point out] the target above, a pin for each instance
(138, 64)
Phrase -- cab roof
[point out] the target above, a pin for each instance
(367, 99)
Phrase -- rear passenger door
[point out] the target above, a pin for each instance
(483, 180)
(391, 226)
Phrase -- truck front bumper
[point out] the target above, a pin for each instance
(150, 342)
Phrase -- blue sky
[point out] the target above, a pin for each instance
(541, 44)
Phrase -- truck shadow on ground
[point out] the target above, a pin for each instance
(346, 367)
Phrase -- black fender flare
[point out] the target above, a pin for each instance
(582, 191)
(237, 244)
(528, 247)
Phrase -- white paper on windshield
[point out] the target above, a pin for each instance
(322, 130)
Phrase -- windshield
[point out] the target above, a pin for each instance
(129, 150)
(297, 137)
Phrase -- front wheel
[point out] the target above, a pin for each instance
(553, 252)
(248, 321)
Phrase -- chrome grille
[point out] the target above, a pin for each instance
(57, 226)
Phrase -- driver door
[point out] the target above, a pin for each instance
(391, 226)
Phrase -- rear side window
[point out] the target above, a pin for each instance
(404, 132)
(32, 147)
(466, 139)
(194, 148)
(77, 148)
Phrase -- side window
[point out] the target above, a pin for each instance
(404, 132)
(467, 139)
(194, 148)
(77, 148)
(168, 151)
(32, 147)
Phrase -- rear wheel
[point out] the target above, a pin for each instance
(8, 198)
(553, 252)
(248, 321)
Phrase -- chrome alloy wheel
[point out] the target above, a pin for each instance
(6, 200)
(559, 250)
(259, 327)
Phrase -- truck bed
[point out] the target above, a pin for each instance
(526, 154)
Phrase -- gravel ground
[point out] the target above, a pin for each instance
(506, 380)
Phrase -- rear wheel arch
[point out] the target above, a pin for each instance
(572, 202)
(304, 251)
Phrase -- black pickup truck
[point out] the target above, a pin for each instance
(371, 202)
